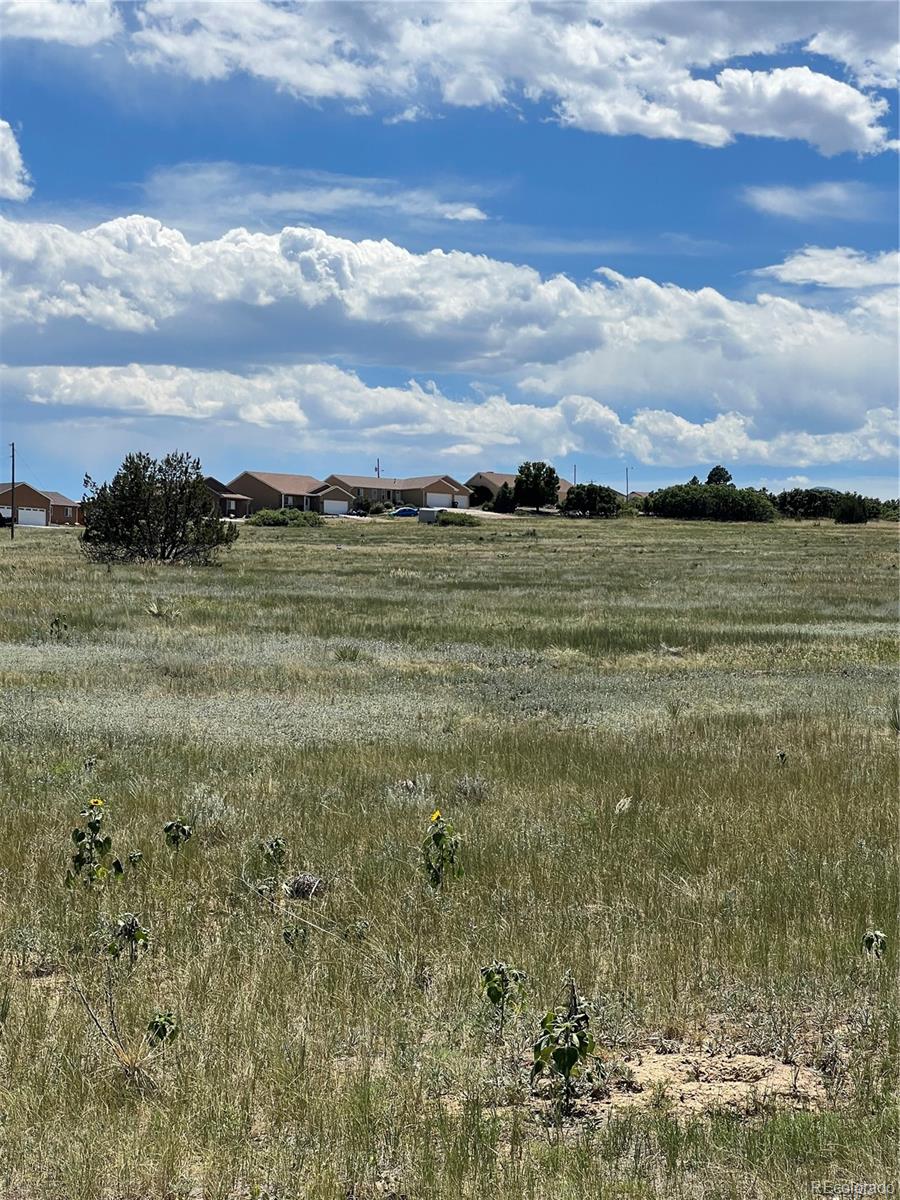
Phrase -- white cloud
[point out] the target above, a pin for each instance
(613, 68)
(321, 404)
(134, 287)
(15, 183)
(840, 267)
(842, 201)
(791, 102)
(213, 197)
(73, 22)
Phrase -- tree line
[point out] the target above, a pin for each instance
(161, 510)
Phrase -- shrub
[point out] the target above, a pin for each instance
(480, 496)
(454, 517)
(710, 502)
(155, 510)
(850, 510)
(590, 500)
(285, 516)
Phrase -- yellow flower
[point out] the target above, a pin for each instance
(436, 814)
(95, 802)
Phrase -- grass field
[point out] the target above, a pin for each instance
(670, 751)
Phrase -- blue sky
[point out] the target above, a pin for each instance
(295, 237)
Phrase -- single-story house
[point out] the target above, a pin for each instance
(230, 504)
(332, 499)
(425, 491)
(493, 481)
(34, 506)
(636, 497)
(272, 489)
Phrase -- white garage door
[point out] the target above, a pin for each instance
(462, 501)
(32, 516)
(335, 508)
(438, 499)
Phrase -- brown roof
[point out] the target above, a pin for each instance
(331, 487)
(287, 485)
(394, 483)
(498, 478)
(53, 497)
(221, 489)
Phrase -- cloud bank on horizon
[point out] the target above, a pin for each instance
(277, 298)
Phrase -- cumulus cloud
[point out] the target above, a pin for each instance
(608, 67)
(840, 201)
(14, 181)
(334, 406)
(840, 267)
(134, 289)
(73, 22)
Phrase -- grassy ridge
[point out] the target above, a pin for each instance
(333, 686)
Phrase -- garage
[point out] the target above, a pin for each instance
(335, 508)
(438, 500)
(32, 516)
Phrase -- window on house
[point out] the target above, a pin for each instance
(67, 511)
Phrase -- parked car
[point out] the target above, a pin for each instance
(408, 510)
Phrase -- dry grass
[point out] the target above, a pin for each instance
(332, 687)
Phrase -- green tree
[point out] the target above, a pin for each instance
(590, 500)
(850, 510)
(710, 502)
(537, 485)
(480, 496)
(504, 501)
(154, 510)
(719, 475)
(806, 504)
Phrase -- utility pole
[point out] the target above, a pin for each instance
(626, 483)
(574, 473)
(12, 498)
(377, 468)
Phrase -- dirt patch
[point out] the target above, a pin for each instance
(696, 1083)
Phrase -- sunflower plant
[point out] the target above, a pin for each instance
(91, 862)
(440, 851)
(564, 1045)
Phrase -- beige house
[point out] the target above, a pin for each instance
(424, 491)
(493, 481)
